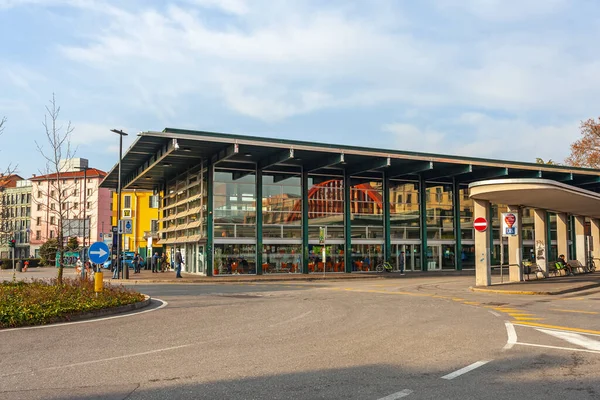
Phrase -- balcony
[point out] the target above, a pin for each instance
(151, 234)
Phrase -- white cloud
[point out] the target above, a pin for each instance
(504, 10)
(413, 138)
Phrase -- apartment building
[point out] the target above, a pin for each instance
(15, 214)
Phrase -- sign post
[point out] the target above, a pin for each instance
(98, 253)
(322, 236)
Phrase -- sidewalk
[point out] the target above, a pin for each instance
(548, 286)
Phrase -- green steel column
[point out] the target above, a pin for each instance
(386, 218)
(457, 226)
(423, 218)
(491, 229)
(548, 239)
(572, 246)
(305, 207)
(347, 225)
(209, 219)
(259, 220)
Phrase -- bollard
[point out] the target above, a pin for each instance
(98, 282)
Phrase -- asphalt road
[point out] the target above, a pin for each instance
(422, 338)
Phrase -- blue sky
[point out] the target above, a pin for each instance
(490, 78)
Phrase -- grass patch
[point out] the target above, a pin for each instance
(42, 302)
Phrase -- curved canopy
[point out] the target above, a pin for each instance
(538, 193)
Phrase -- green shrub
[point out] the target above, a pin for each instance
(7, 263)
(41, 302)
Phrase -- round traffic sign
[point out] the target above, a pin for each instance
(98, 252)
(480, 224)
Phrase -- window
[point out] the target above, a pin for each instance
(38, 221)
(66, 205)
(75, 206)
(154, 225)
(52, 220)
(51, 234)
(52, 206)
(89, 180)
(52, 193)
(38, 235)
(89, 192)
(39, 207)
(154, 201)
(65, 193)
(75, 192)
(39, 194)
(127, 201)
(89, 205)
(409, 198)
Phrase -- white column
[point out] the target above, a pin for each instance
(562, 234)
(515, 248)
(580, 239)
(596, 238)
(540, 228)
(483, 268)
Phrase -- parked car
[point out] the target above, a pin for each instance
(127, 260)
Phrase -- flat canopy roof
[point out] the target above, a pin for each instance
(538, 193)
(157, 157)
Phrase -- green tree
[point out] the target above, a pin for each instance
(73, 243)
(48, 252)
(549, 162)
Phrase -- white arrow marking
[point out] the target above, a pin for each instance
(574, 338)
(100, 252)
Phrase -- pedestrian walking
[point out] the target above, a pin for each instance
(163, 262)
(178, 263)
(79, 266)
(155, 261)
(136, 263)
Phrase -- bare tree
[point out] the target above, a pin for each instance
(53, 197)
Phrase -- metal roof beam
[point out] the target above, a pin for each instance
(446, 172)
(275, 159)
(150, 163)
(586, 181)
(531, 173)
(558, 176)
(410, 168)
(325, 162)
(226, 153)
(369, 165)
(484, 174)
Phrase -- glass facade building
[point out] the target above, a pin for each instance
(241, 205)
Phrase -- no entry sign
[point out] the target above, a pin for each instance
(480, 224)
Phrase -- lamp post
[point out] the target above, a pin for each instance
(125, 270)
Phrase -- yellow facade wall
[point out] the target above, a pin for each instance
(141, 214)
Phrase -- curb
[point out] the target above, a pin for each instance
(535, 293)
(111, 311)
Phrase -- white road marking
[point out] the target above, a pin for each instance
(494, 313)
(574, 338)
(557, 347)
(397, 395)
(512, 336)
(87, 321)
(120, 357)
(464, 370)
(291, 320)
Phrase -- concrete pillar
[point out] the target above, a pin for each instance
(596, 237)
(580, 239)
(541, 240)
(515, 248)
(562, 234)
(483, 268)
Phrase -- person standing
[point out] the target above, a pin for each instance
(401, 262)
(178, 262)
(155, 262)
(136, 263)
(79, 265)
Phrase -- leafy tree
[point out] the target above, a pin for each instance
(585, 152)
(73, 243)
(48, 252)
(549, 162)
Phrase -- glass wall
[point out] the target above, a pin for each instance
(404, 210)
(282, 258)
(326, 206)
(366, 208)
(334, 258)
(234, 259)
(466, 215)
(366, 257)
(440, 218)
(234, 205)
(282, 208)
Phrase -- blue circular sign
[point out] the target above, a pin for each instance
(98, 252)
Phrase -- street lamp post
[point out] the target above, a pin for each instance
(125, 270)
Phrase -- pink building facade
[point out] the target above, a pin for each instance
(82, 199)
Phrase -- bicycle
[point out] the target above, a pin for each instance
(385, 266)
(591, 267)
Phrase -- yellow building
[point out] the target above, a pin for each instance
(142, 208)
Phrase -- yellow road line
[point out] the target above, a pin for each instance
(574, 311)
(560, 328)
(458, 299)
(471, 303)
(528, 319)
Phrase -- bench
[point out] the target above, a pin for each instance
(578, 267)
(531, 268)
(557, 268)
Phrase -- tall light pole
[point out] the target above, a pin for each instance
(125, 270)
